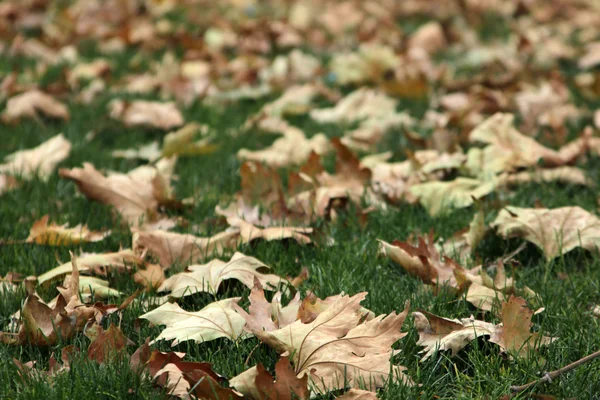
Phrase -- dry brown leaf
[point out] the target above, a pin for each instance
(555, 231)
(513, 335)
(106, 344)
(151, 276)
(249, 232)
(210, 276)
(61, 235)
(46, 324)
(146, 113)
(170, 248)
(31, 104)
(216, 320)
(338, 348)
(94, 263)
(565, 175)
(41, 160)
(136, 195)
(257, 383)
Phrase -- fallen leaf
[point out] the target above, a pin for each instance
(61, 235)
(257, 383)
(151, 276)
(31, 104)
(181, 141)
(358, 394)
(107, 344)
(216, 320)
(89, 286)
(136, 195)
(337, 348)
(149, 152)
(555, 231)
(146, 113)
(464, 242)
(208, 277)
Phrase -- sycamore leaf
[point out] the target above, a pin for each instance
(98, 287)
(263, 315)
(32, 103)
(146, 113)
(170, 247)
(136, 195)
(338, 348)
(257, 383)
(107, 343)
(181, 378)
(93, 263)
(464, 242)
(151, 276)
(442, 196)
(42, 232)
(293, 148)
(41, 160)
(46, 324)
(513, 335)
(216, 320)
(555, 231)
(208, 277)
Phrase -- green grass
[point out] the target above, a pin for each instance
(351, 265)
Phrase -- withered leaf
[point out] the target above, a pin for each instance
(147, 113)
(33, 103)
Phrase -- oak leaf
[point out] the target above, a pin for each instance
(555, 231)
(216, 320)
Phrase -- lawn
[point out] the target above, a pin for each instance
(344, 257)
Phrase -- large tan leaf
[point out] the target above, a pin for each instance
(61, 235)
(216, 320)
(41, 160)
(33, 103)
(208, 277)
(555, 231)
(337, 348)
(513, 335)
(256, 383)
(94, 263)
(146, 113)
(136, 195)
(442, 196)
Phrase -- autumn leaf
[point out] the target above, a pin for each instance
(42, 232)
(338, 348)
(259, 384)
(210, 276)
(40, 161)
(151, 276)
(31, 104)
(357, 394)
(91, 286)
(182, 141)
(107, 343)
(464, 242)
(555, 231)
(513, 335)
(216, 320)
(136, 196)
(146, 113)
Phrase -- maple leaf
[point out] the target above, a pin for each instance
(93, 263)
(45, 324)
(89, 286)
(106, 343)
(31, 104)
(39, 161)
(338, 348)
(513, 335)
(555, 231)
(216, 320)
(42, 232)
(146, 113)
(208, 277)
(258, 384)
(136, 195)
(151, 276)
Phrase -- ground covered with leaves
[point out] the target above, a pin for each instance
(299, 199)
